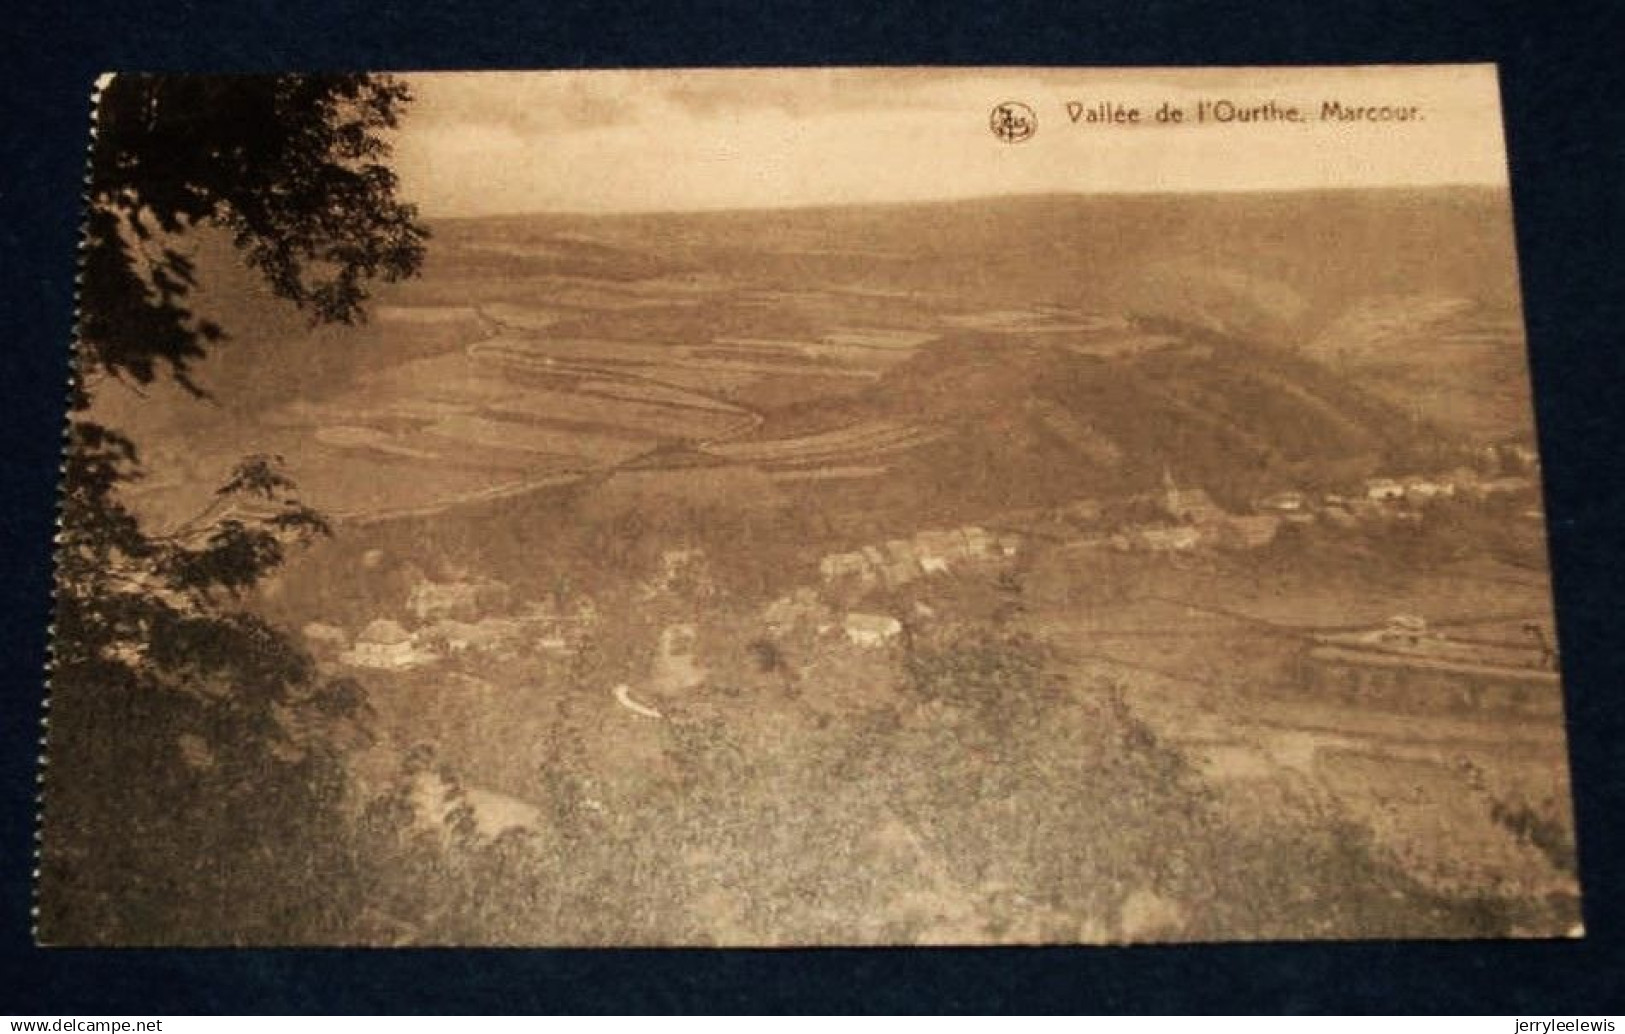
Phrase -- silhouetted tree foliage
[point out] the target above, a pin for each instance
(201, 752)
(292, 166)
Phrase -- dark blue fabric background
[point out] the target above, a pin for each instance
(1562, 69)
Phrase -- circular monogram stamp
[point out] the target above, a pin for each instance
(1013, 122)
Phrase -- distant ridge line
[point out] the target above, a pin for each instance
(1485, 191)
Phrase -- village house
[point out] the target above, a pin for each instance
(491, 637)
(1289, 501)
(1168, 540)
(933, 564)
(1421, 490)
(449, 637)
(548, 627)
(552, 642)
(1384, 490)
(871, 630)
(1188, 504)
(431, 601)
(802, 608)
(1406, 629)
(674, 666)
(1504, 486)
(1523, 457)
(898, 562)
(385, 644)
(978, 543)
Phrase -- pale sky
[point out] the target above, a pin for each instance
(683, 140)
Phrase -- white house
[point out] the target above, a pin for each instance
(674, 667)
(1419, 489)
(1496, 486)
(1175, 539)
(385, 644)
(450, 637)
(1284, 502)
(457, 600)
(871, 630)
(933, 564)
(1384, 489)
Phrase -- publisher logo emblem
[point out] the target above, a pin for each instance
(1013, 122)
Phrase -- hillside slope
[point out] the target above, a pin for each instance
(1038, 424)
(1461, 360)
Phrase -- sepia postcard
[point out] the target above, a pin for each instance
(820, 506)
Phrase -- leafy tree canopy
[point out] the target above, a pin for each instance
(202, 751)
(293, 167)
